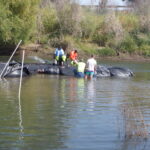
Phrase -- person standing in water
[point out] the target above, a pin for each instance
(90, 67)
(80, 69)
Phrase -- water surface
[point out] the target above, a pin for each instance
(66, 113)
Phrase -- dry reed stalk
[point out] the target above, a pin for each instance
(134, 123)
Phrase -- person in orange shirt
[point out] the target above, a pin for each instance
(73, 56)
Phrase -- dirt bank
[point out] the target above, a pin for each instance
(45, 51)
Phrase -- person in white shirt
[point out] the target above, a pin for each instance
(90, 67)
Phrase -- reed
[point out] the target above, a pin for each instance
(134, 125)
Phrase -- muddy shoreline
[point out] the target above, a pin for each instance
(39, 50)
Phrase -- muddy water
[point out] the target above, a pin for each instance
(66, 113)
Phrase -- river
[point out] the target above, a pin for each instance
(66, 113)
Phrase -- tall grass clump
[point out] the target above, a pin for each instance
(128, 45)
(89, 22)
(69, 17)
(110, 31)
(106, 52)
(48, 27)
(129, 21)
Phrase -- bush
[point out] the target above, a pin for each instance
(146, 53)
(142, 39)
(128, 45)
(107, 52)
(5, 25)
(89, 23)
(87, 47)
(109, 32)
(50, 21)
(69, 16)
(18, 20)
(100, 38)
(129, 21)
(145, 50)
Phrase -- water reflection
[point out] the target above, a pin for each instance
(91, 90)
(65, 113)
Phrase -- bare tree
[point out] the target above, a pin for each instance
(102, 4)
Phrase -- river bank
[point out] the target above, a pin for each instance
(47, 52)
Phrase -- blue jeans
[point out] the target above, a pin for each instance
(80, 74)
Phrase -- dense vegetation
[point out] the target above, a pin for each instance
(105, 33)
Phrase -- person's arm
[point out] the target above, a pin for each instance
(87, 64)
(62, 51)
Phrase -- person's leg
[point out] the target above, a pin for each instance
(91, 75)
(80, 75)
(86, 75)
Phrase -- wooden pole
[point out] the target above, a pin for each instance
(21, 74)
(1, 75)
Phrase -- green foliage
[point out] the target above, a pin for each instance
(145, 50)
(87, 48)
(50, 21)
(129, 21)
(100, 39)
(5, 25)
(128, 45)
(142, 39)
(69, 18)
(107, 52)
(89, 24)
(17, 19)
(146, 53)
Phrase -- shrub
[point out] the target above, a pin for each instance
(87, 47)
(18, 20)
(101, 38)
(107, 52)
(129, 21)
(50, 21)
(5, 25)
(142, 39)
(109, 32)
(69, 16)
(128, 45)
(145, 50)
(89, 23)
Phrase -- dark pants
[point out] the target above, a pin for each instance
(80, 75)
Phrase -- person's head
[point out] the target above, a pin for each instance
(59, 47)
(92, 56)
(75, 51)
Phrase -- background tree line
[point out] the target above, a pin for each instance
(50, 22)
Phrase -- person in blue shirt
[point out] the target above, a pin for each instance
(56, 56)
(59, 56)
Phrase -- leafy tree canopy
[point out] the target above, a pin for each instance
(17, 20)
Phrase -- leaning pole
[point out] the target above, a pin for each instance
(1, 75)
